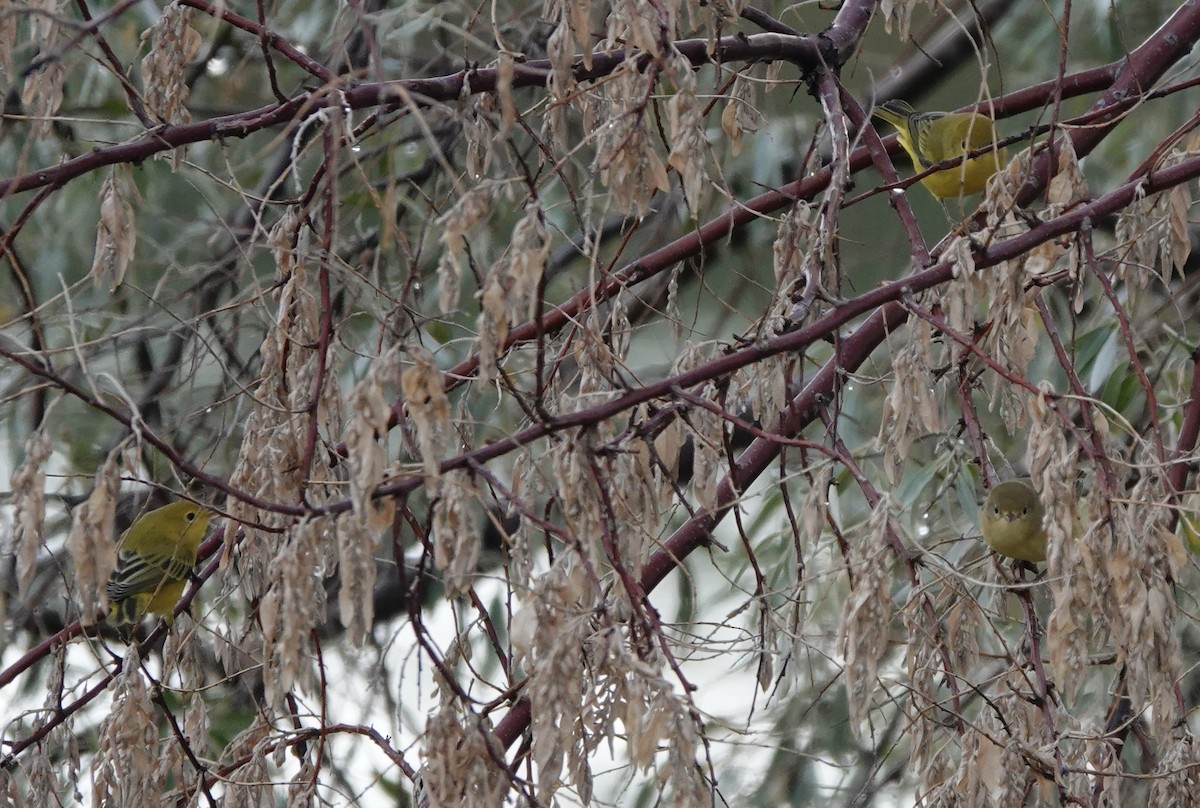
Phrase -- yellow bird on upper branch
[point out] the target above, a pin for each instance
(936, 137)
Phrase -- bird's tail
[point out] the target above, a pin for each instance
(895, 112)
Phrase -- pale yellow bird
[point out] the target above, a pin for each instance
(1011, 521)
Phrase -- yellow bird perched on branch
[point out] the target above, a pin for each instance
(935, 137)
(154, 559)
(1011, 521)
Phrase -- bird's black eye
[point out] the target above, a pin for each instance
(996, 510)
(191, 516)
(1025, 511)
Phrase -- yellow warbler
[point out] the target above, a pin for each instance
(1011, 520)
(154, 559)
(933, 137)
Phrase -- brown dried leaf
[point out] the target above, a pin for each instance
(815, 512)
(1179, 202)
(116, 232)
(685, 120)
(991, 774)
(429, 408)
(1068, 185)
(626, 159)
(1153, 234)
(999, 201)
(125, 766)
(247, 789)
(561, 661)
(460, 751)
(668, 444)
(899, 13)
(357, 541)
(471, 208)
(708, 438)
(510, 292)
(271, 460)
(635, 25)
(293, 605)
(42, 91)
(1140, 607)
(364, 438)
(740, 114)
(455, 535)
(505, 70)
(173, 43)
(283, 238)
(789, 246)
(480, 135)
(910, 409)
(91, 542)
(1052, 467)
(561, 84)
(41, 97)
(9, 796)
(28, 485)
(867, 614)
(1173, 781)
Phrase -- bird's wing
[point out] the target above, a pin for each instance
(922, 134)
(145, 572)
